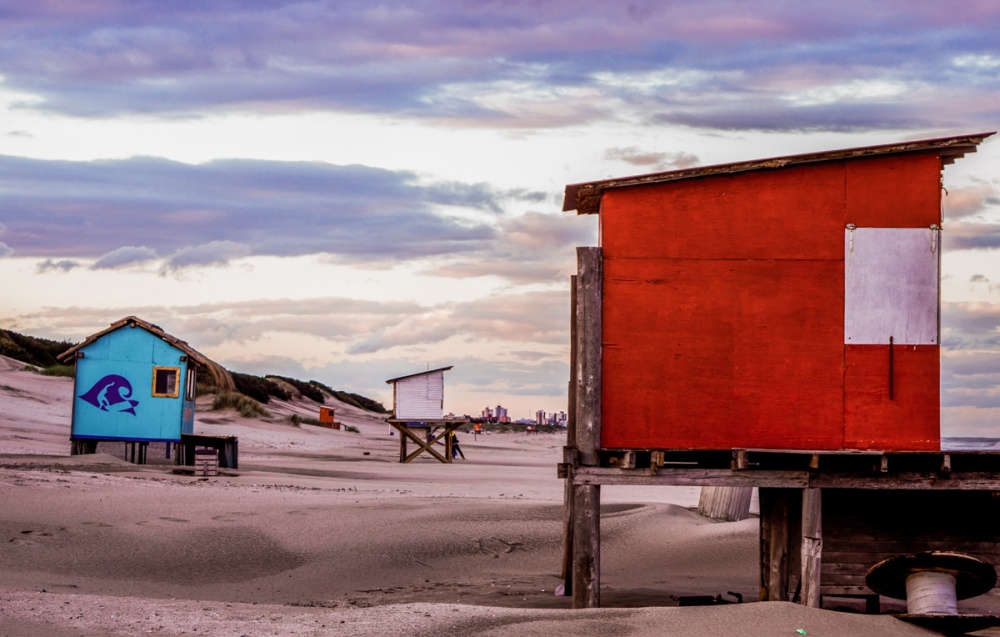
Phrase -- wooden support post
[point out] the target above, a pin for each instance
(587, 546)
(566, 573)
(731, 504)
(79, 447)
(589, 333)
(447, 445)
(774, 544)
(741, 460)
(586, 585)
(812, 546)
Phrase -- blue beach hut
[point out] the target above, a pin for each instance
(135, 383)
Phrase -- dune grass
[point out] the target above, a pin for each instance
(246, 406)
(64, 371)
(298, 420)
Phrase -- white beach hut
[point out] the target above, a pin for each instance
(419, 397)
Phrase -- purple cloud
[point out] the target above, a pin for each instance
(5, 250)
(970, 379)
(124, 256)
(960, 235)
(207, 254)
(968, 201)
(52, 265)
(96, 209)
(651, 161)
(538, 317)
(970, 326)
(719, 63)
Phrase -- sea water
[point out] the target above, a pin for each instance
(970, 444)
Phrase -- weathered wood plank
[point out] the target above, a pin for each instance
(589, 335)
(573, 362)
(839, 569)
(812, 546)
(845, 590)
(569, 508)
(888, 549)
(696, 476)
(912, 481)
(725, 503)
(863, 527)
(774, 528)
(566, 572)
(691, 477)
(587, 547)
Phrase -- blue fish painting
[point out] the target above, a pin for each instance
(111, 393)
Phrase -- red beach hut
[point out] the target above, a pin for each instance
(786, 303)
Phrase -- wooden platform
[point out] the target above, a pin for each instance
(425, 435)
(908, 470)
(227, 446)
(827, 517)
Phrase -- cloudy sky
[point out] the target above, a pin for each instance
(352, 191)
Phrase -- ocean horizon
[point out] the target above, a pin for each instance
(969, 444)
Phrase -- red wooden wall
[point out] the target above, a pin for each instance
(724, 311)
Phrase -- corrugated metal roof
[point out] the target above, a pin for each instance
(585, 198)
(429, 371)
(222, 378)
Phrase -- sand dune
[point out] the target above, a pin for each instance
(323, 532)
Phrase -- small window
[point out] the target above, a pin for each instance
(192, 385)
(166, 381)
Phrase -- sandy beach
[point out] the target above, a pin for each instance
(324, 532)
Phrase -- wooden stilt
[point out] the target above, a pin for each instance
(774, 540)
(587, 546)
(586, 582)
(79, 447)
(725, 503)
(448, 452)
(566, 572)
(589, 333)
(812, 545)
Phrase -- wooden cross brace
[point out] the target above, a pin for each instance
(427, 444)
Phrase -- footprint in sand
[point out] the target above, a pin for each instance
(20, 541)
(29, 537)
(232, 516)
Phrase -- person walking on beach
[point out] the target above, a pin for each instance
(456, 450)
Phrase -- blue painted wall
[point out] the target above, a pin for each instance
(113, 397)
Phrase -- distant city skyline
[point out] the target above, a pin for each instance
(500, 414)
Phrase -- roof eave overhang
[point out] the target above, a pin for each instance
(585, 198)
(429, 371)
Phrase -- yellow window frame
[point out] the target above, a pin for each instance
(175, 392)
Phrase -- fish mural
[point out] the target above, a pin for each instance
(111, 393)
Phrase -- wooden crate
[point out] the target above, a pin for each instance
(206, 462)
